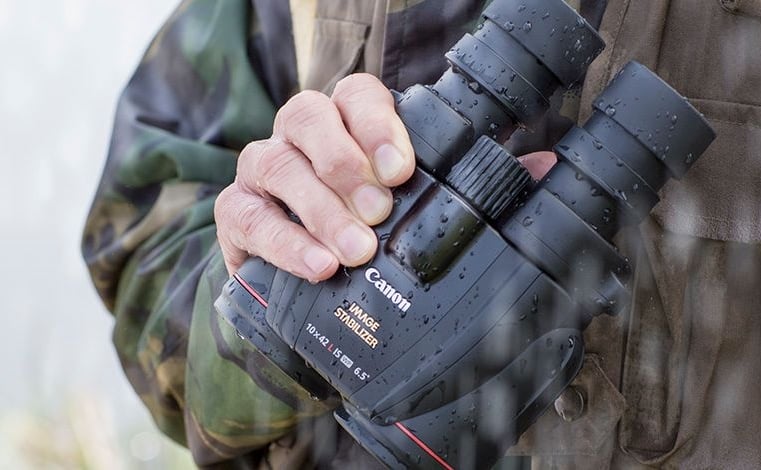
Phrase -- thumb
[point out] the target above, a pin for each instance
(538, 163)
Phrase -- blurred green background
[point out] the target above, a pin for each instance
(64, 401)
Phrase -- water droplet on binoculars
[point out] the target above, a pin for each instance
(610, 111)
(509, 26)
(527, 221)
(527, 26)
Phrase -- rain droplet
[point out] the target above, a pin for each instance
(538, 210)
(527, 26)
(610, 111)
(527, 221)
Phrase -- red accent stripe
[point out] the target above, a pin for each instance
(250, 290)
(423, 446)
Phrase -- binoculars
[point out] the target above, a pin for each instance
(467, 324)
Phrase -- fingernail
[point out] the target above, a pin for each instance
(389, 162)
(354, 243)
(372, 203)
(318, 259)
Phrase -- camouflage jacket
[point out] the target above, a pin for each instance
(211, 82)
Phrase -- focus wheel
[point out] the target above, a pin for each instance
(490, 178)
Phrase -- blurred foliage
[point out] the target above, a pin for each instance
(83, 435)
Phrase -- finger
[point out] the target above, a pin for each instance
(313, 124)
(368, 112)
(279, 169)
(248, 224)
(538, 163)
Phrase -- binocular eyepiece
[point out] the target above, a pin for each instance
(467, 324)
(500, 77)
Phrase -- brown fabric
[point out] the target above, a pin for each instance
(690, 366)
(319, 443)
(712, 57)
(689, 372)
(694, 353)
(342, 29)
(588, 436)
(743, 7)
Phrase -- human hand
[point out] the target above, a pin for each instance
(330, 160)
(538, 163)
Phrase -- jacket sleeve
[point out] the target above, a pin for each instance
(150, 243)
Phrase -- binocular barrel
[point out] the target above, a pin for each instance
(641, 133)
(499, 78)
(468, 322)
(527, 346)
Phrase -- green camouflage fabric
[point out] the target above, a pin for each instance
(150, 243)
(210, 82)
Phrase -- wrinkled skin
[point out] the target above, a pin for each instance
(332, 161)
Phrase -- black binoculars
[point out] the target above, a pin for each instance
(467, 324)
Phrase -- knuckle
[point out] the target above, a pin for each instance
(358, 88)
(275, 239)
(306, 109)
(223, 204)
(257, 220)
(343, 163)
(326, 221)
(274, 165)
(249, 153)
